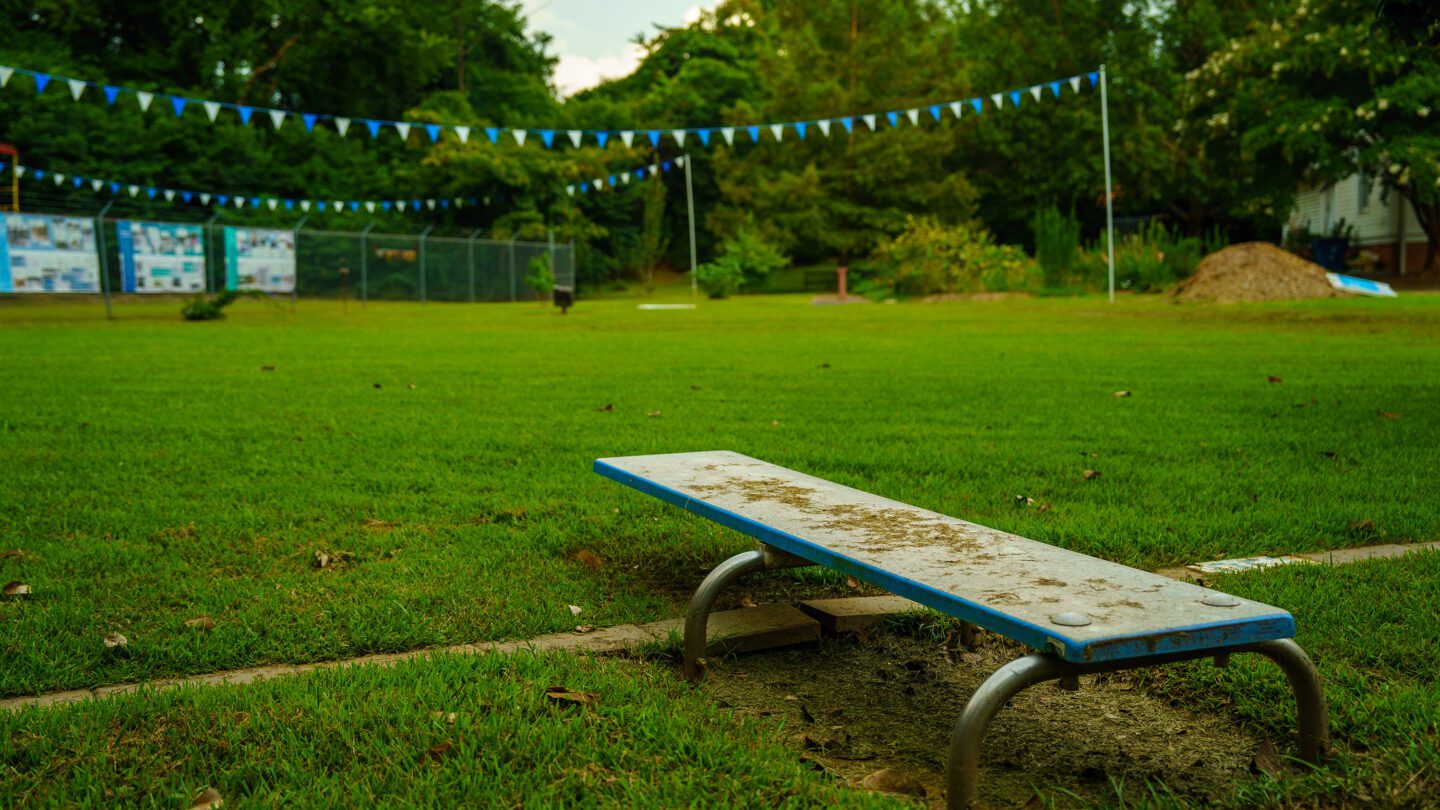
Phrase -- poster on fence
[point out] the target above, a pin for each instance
(45, 254)
(259, 259)
(159, 257)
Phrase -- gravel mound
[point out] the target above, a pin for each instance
(1254, 271)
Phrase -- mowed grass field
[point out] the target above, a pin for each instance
(156, 471)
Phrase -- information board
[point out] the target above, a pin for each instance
(160, 257)
(260, 259)
(45, 254)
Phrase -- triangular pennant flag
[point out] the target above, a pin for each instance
(894, 118)
(824, 127)
(354, 206)
(433, 130)
(272, 203)
(464, 133)
(1075, 83)
(245, 113)
(169, 195)
(627, 137)
(625, 178)
(143, 99)
(111, 93)
(5, 74)
(178, 104)
(1055, 88)
(404, 130)
(869, 121)
(547, 137)
(309, 120)
(574, 136)
(150, 192)
(914, 115)
(222, 199)
(519, 135)
(680, 161)
(320, 206)
(57, 177)
(459, 203)
(277, 118)
(956, 107)
(848, 123)
(599, 182)
(134, 190)
(1015, 97)
(493, 133)
(114, 188)
(570, 189)
(652, 169)
(289, 205)
(704, 136)
(41, 79)
(39, 174)
(204, 199)
(338, 205)
(374, 127)
(386, 205)
(654, 136)
(1094, 77)
(342, 126)
(613, 181)
(76, 88)
(415, 204)
(430, 204)
(978, 105)
(679, 135)
(78, 181)
(935, 112)
(778, 130)
(800, 128)
(304, 205)
(754, 134)
(585, 188)
(212, 109)
(96, 185)
(370, 206)
(665, 167)
(1035, 92)
(186, 196)
(999, 99)
(239, 202)
(728, 133)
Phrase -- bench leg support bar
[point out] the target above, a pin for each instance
(697, 618)
(1005, 683)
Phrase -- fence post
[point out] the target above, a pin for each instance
(364, 262)
(513, 299)
(104, 258)
(295, 288)
(470, 259)
(423, 234)
(574, 273)
(550, 246)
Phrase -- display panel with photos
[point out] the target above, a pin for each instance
(47, 254)
(260, 259)
(161, 257)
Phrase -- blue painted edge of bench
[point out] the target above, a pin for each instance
(1208, 636)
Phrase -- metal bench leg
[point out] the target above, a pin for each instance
(997, 690)
(697, 618)
(1304, 681)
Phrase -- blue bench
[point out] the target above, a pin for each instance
(1083, 614)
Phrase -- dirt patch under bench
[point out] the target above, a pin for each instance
(852, 707)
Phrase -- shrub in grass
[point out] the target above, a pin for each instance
(208, 308)
(1150, 259)
(754, 255)
(932, 258)
(1057, 244)
(541, 277)
(720, 278)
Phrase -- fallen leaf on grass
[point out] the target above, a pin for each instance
(1119, 394)
(1091, 475)
(1266, 761)
(322, 560)
(377, 385)
(609, 406)
(440, 750)
(115, 641)
(1274, 379)
(1389, 415)
(14, 552)
(590, 559)
(852, 582)
(207, 799)
(891, 780)
(653, 414)
(16, 588)
(584, 628)
(411, 386)
(564, 697)
(448, 717)
(576, 610)
(201, 623)
(267, 368)
(747, 601)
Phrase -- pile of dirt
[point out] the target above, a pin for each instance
(1254, 271)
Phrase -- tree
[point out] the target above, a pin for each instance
(1328, 89)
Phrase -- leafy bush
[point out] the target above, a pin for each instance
(721, 277)
(930, 258)
(541, 277)
(1057, 244)
(1151, 258)
(208, 308)
(753, 254)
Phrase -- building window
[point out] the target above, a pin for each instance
(1364, 187)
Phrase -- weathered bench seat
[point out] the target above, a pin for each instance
(1085, 614)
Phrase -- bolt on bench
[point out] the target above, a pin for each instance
(1086, 615)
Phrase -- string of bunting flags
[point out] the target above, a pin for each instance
(206, 198)
(551, 137)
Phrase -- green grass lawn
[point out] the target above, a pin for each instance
(154, 473)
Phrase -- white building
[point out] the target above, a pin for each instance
(1382, 223)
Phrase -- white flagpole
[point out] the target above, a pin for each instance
(1109, 196)
(690, 207)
